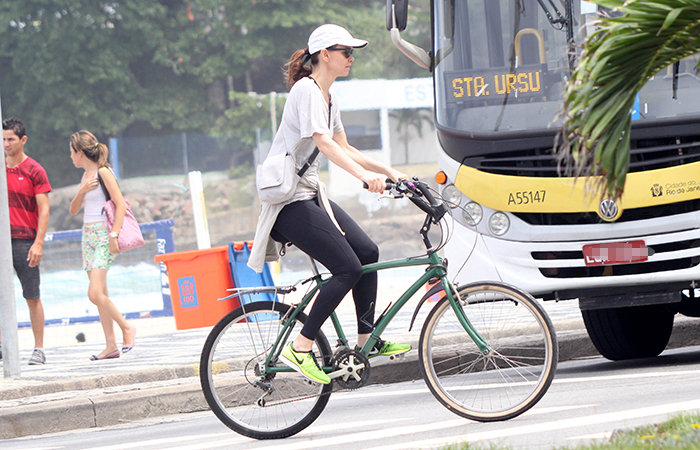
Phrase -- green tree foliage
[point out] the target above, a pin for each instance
(164, 66)
(67, 65)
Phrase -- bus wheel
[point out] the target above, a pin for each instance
(689, 304)
(631, 332)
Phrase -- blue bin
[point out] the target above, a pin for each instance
(244, 276)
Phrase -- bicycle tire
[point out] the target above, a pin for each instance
(234, 388)
(516, 372)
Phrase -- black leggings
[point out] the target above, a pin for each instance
(306, 225)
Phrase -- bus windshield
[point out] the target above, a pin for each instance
(502, 65)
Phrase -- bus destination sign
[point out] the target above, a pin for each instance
(495, 84)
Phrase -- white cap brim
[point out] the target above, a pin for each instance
(330, 35)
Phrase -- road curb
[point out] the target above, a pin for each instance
(101, 381)
(100, 410)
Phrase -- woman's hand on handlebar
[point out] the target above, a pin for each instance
(395, 175)
(375, 182)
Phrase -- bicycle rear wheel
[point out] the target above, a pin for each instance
(246, 399)
(516, 372)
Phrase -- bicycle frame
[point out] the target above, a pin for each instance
(436, 270)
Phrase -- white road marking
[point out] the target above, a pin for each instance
(216, 441)
(626, 376)
(162, 441)
(366, 436)
(588, 437)
(574, 422)
(538, 411)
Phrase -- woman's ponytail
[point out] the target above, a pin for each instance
(299, 66)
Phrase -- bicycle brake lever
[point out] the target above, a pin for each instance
(392, 196)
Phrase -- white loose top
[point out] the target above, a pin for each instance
(305, 113)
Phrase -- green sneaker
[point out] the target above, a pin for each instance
(304, 363)
(384, 348)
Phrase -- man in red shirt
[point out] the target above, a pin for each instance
(28, 191)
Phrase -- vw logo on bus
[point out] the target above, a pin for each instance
(608, 210)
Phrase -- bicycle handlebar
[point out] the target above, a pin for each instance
(419, 194)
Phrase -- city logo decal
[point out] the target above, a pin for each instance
(657, 190)
(188, 292)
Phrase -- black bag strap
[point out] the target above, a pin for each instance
(314, 154)
(104, 188)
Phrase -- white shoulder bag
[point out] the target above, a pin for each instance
(277, 177)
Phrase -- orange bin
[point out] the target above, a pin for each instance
(198, 278)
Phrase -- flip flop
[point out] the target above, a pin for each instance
(112, 355)
(128, 348)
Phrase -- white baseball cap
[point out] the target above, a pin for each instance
(329, 35)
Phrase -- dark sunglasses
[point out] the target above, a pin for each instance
(348, 50)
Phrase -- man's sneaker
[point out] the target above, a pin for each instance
(37, 358)
(304, 363)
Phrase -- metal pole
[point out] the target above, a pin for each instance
(8, 310)
(185, 163)
(201, 226)
(114, 156)
(385, 133)
(258, 150)
(273, 114)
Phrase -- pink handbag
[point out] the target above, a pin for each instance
(130, 235)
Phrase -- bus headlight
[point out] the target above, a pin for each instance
(472, 214)
(499, 223)
(452, 195)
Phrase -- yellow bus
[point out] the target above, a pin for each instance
(499, 69)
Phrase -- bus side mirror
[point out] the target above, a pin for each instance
(396, 13)
(396, 18)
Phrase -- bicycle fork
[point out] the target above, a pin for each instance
(452, 297)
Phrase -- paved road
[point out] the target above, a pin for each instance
(160, 376)
(588, 401)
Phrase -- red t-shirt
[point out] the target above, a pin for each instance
(24, 182)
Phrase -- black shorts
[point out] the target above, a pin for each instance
(28, 276)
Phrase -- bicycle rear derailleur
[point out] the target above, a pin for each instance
(350, 369)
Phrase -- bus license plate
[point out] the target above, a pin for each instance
(615, 253)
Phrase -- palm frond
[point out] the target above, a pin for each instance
(617, 61)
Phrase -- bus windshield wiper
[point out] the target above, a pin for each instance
(557, 23)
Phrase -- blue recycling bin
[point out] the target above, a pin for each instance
(244, 276)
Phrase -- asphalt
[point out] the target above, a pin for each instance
(159, 376)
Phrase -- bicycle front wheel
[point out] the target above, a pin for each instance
(514, 373)
(245, 396)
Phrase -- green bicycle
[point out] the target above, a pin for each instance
(487, 350)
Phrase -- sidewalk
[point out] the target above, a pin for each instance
(160, 375)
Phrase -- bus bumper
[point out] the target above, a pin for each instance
(677, 260)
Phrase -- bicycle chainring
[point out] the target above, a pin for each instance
(357, 368)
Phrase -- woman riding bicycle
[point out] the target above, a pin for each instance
(309, 220)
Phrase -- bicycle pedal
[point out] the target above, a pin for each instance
(381, 360)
